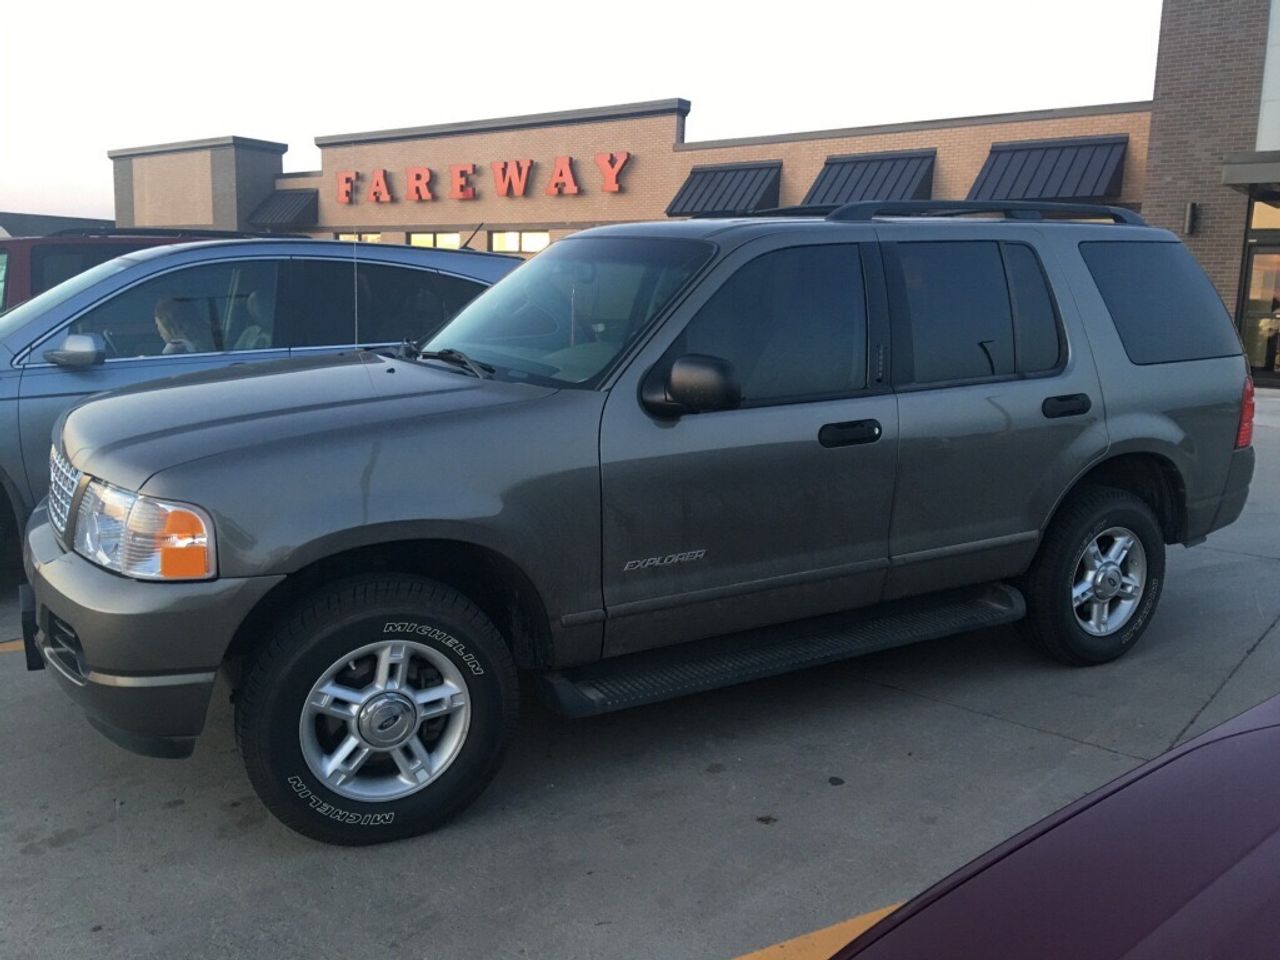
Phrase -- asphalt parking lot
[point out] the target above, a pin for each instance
(704, 827)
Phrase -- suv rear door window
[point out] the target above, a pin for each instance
(1164, 307)
(1039, 343)
(961, 324)
(201, 309)
(793, 323)
(395, 303)
(317, 304)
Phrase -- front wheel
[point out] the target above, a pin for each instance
(1097, 577)
(379, 709)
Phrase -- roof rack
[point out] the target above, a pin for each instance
(800, 210)
(1011, 209)
(200, 234)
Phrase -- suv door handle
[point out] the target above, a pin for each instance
(1069, 405)
(850, 432)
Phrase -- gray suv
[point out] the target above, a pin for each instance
(168, 310)
(657, 459)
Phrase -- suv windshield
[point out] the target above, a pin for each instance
(563, 317)
(18, 317)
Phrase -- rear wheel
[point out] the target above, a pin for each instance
(378, 710)
(1097, 578)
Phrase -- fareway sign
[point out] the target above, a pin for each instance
(511, 178)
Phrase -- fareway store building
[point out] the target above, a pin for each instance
(1202, 158)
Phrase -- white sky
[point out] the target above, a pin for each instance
(78, 79)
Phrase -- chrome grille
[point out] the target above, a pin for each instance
(63, 479)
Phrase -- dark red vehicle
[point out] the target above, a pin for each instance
(1176, 860)
(31, 265)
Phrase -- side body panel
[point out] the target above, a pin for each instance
(980, 466)
(721, 521)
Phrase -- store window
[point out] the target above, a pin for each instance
(359, 237)
(1265, 216)
(519, 241)
(436, 241)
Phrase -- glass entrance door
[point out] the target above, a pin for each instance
(1260, 328)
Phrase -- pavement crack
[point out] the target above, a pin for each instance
(1016, 723)
(1242, 553)
(1225, 680)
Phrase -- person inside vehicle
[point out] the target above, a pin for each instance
(179, 326)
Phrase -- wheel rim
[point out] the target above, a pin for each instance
(385, 721)
(1110, 577)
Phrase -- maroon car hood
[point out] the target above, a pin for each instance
(1177, 859)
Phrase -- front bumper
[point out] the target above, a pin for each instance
(140, 658)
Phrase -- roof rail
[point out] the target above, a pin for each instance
(202, 234)
(1012, 210)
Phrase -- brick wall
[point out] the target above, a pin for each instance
(659, 164)
(1208, 85)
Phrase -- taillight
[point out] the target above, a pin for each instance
(1244, 433)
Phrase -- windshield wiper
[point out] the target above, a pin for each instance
(411, 351)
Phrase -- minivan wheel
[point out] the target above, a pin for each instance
(1097, 577)
(379, 708)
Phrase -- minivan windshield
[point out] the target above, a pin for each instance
(563, 318)
(15, 319)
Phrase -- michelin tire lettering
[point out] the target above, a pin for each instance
(326, 809)
(435, 633)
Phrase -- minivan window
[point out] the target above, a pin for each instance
(1163, 306)
(567, 314)
(208, 308)
(17, 318)
(395, 303)
(792, 322)
(958, 303)
(51, 265)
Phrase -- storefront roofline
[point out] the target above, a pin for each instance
(1092, 110)
(624, 111)
(1257, 174)
(243, 143)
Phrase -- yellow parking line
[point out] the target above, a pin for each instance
(820, 944)
(10, 646)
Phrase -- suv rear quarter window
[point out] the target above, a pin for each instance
(1163, 306)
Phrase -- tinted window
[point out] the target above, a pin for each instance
(958, 303)
(394, 303)
(202, 309)
(317, 304)
(4, 270)
(35, 308)
(50, 265)
(1039, 347)
(1164, 307)
(792, 323)
(563, 317)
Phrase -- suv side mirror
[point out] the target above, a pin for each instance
(79, 350)
(695, 383)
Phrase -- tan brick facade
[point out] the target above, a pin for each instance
(659, 163)
(1207, 90)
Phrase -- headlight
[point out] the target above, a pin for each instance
(143, 537)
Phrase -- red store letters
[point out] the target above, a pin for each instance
(511, 178)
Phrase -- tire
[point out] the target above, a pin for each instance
(1102, 628)
(427, 665)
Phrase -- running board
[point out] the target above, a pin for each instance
(655, 675)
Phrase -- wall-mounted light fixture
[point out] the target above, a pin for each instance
(1190, 218)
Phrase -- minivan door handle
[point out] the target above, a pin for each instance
(1070, 405)
(850, 432)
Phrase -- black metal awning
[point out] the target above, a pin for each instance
(1082, 168)
(904, 175)
(287, 208)
(728, 189)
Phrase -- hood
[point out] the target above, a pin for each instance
(128, 435)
